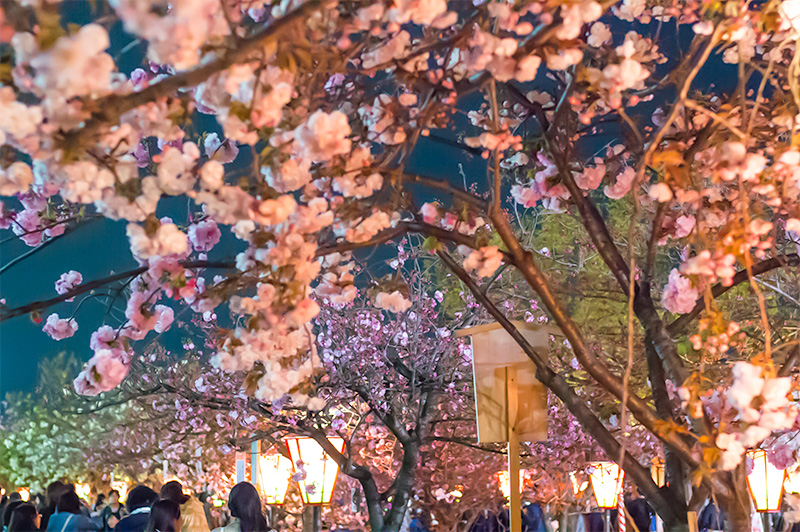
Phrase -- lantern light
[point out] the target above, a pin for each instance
(274, 472)
(792, 482)
(765, 482)
(578, 487)
(607, 479)
(24, 494)
(83, 490)
(316, 486)
(121, 487)
(658, 472)
(502, 482)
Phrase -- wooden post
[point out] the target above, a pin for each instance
(692, 521)
(514, 507)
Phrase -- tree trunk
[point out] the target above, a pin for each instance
(735, 506)
(404, 483)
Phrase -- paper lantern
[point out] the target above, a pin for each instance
(320, 469)
(24, 494)
(607, 479)
(765, 482)
(274, 472)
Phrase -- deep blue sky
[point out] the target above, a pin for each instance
(101, 247)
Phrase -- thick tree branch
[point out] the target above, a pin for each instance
(671, 511)
(525, 265)
(446, 186)
(790, 362)
(108, 110)
(97, 283)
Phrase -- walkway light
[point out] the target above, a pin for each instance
(320, 469)
(274, 472)
(607, 479)
(765, 482)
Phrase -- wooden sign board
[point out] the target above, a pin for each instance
(493, 352)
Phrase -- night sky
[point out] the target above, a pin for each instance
(100, 248)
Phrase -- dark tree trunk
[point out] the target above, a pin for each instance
(404, 483)
(735, 505)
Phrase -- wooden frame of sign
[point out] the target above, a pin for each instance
(506, 388)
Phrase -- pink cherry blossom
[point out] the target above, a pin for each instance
(58, 328)
(679, 295)
(204, 235)
(27, 224)
(164, 317)
(623, 184)
(592, 176)
(102, 373)
(68, 281)
(16, 179)
(394, 302)
(429, 213)
(660, 192)
(323, 136)
(484, 261)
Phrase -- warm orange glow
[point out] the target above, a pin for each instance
(83, 491)
(502, 481)
(792, 482)
(25, 494)
(121, 487)
(320, 469)
(657, 472)
(274, 472)
(765, 482)
(577, 486)
(607, 479)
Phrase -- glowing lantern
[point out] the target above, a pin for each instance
(792, 482)
(320, 469)
(607, 479)
(83, 491)
(765, 482)
(274, 472)
(578, 487)
(121, 487)
(502, 481)
(658, 473)
(24, 494)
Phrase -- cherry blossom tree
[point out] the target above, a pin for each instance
(326, 105)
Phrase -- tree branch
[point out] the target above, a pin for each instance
(678, 326)
(670, 511)
(97, 283)
(109, 109)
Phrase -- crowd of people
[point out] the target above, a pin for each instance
(169, 510)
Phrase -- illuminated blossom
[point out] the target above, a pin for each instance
(679, 295)
(68, 281)
(394, 302)
(204, 235)
(59, 328)
(16, 179)
(484, 261)
(323, 136)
